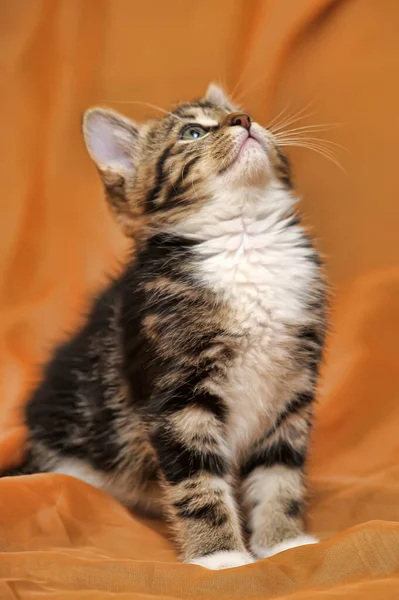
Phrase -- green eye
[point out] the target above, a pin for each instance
(193, 132)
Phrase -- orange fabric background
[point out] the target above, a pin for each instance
(60, 538)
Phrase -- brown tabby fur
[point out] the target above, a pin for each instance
(145, 400)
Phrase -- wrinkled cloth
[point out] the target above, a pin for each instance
(334, 60)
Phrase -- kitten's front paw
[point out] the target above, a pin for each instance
(223, 560)
(301, 540)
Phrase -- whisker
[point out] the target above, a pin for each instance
(313, 140)
(170, 178)
(166, 112)
(297, 116)
(252, 85)
(192, 183)
(276, 118)
(323, 151)
(309, 143)
(291, 141)
(279, 126)
(319, 150)
(240, 97)
(326, 155)
(184, 166)
(244, 71)
(249, 88)
(221, 81)
(240, 80)
(311, 128)
(303, 138)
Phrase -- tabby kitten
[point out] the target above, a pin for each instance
(189, 390)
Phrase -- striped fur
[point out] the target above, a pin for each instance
(189, 390)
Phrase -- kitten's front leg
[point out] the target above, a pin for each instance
(192, 456)
(273, 483)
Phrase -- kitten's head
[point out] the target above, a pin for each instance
(167, 169)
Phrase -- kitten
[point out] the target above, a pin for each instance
(189, 390)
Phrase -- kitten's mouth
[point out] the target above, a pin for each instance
(250, 142)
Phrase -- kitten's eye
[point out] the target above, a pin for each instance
(193, 132)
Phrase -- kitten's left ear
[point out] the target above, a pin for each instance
(218, 96)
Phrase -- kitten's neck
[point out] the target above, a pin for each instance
(245, 210)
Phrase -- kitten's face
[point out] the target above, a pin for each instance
(220, 145)
(175, 165)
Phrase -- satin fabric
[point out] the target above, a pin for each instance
(336, 62)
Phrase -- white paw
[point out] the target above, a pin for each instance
(301, 540)
(223, 560)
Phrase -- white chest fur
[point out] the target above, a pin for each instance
(255, 262)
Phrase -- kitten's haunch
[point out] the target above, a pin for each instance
(189, 390)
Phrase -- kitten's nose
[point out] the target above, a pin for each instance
(240, 119)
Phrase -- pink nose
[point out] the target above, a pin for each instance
(240, 119)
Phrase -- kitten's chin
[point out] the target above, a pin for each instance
(251, 167)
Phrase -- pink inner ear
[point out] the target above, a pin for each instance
(110, 143)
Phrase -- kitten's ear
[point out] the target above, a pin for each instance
(111, 141)
(218, 96)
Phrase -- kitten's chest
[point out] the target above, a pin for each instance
(263, 280)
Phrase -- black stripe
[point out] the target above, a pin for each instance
(278, 453)
(316, 259)
(180, 187)
(178, 398)
(179, 462)
(188, 166)
(311, 334)
(163, 254)
(207, 512)
(294, 221)
(285, 168)
(163, 242)
(300, 402)
(204, 104)
(188, 115)
(175, 190)
(159, 179)
(305, 242)
(286, 181)
(169, 124)
(311, 340)
(180, 111)
(210, 403)
(318, 304)
(191, 485)
(294, 508)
